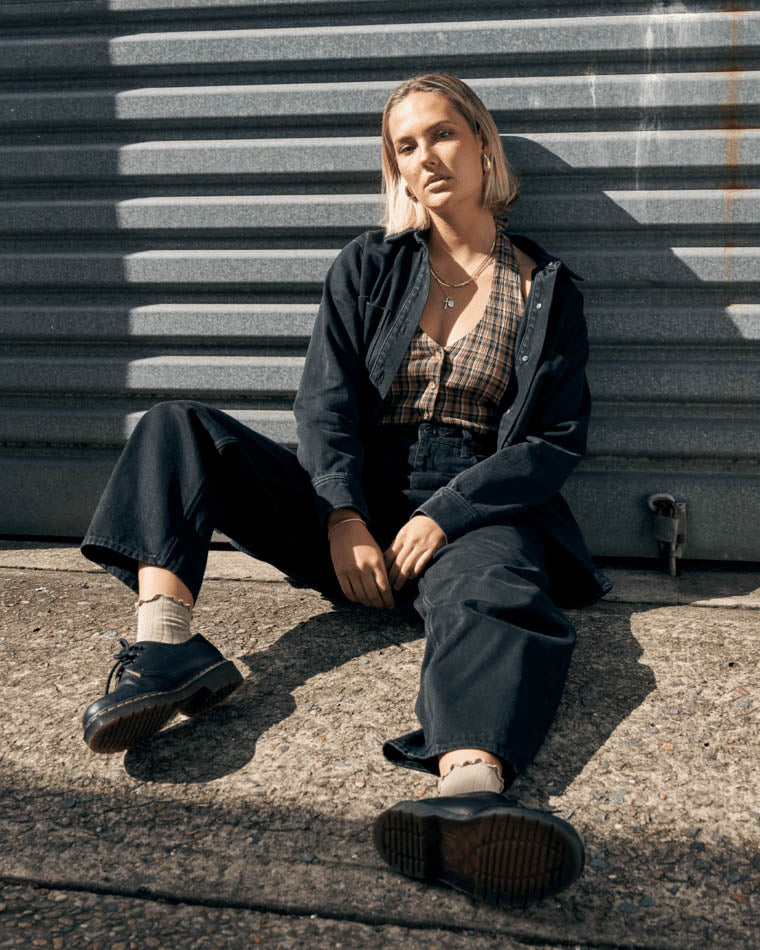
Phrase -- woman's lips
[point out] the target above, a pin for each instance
(436, 182)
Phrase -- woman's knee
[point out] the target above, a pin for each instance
(174, 415)
(508, 584)
(173, 409)
(491, 559)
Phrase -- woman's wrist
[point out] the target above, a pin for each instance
(339, 525)
(341, 514)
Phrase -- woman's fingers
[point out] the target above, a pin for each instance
(405, 556)
(345, 586)
(364, 580)
(402, 569)
(372, 594)
(383, 584)
(354, 589)
(408, 565)
(411, 550)
(359, 567)
(423, 561)
(368, 587)
(401, 576)
(370, 576)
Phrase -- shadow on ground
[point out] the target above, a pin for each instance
(607, 681)
(301, 862)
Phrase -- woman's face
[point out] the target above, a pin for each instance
(438, 155)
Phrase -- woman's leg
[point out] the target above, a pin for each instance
(152, 580)
(496, 658)
(186, 470)
(497, 651)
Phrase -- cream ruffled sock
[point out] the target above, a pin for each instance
(163, 619)
(475, 776)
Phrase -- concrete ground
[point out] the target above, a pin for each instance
(250, 826)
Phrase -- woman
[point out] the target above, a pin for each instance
(442, 405)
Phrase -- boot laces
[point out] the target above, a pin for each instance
(128, 654)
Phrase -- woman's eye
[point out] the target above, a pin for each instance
(404, 149)
(444, 133)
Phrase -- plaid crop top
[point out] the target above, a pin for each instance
(463, 384)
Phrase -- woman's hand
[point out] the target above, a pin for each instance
(358, 563)
(411, 549)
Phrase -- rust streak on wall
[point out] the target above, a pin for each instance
(731, 123)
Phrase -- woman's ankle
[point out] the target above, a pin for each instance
(154, 580)
(163, 619)
(469, 777)
(464, 770)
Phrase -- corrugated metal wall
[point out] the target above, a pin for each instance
(176, 177)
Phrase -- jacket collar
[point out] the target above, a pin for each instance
(539, 255)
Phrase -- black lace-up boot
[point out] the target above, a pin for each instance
(153, 682)
(482, 845)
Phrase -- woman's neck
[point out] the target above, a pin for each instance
(464, 242)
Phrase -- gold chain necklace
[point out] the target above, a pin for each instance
(448, 302)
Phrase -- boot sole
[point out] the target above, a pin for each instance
(505, 856)
(134, 721)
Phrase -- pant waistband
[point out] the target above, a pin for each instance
(479, 443)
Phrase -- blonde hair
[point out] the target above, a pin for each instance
(501, 186)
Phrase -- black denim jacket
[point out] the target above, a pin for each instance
(373, 299)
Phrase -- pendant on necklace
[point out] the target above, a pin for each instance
(448, 303)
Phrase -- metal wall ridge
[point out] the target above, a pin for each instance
(646, 266)
(530, 98)
(612, 380)
(644, 324)
(712, 440)
(609, 325)
(610, 322)
(268, 375)
(570, 38)
(155, 322)
(36, 12)
(110, 427)
(733, 154)
(726, 210)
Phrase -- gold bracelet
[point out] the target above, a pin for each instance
(343, 521)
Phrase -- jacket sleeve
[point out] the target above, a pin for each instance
(531, 469)
(327, 402)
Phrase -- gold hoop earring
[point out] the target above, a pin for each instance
(487, 162)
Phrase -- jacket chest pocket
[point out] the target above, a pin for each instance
(377, 323)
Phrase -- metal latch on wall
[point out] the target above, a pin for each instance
(669, 528)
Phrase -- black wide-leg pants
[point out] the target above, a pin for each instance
(497, 649)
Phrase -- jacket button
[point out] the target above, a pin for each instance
(538, 306)
(525, 359)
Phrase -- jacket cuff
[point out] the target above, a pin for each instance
(453, 514)
(338, 491)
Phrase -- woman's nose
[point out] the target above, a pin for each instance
(426, 154)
